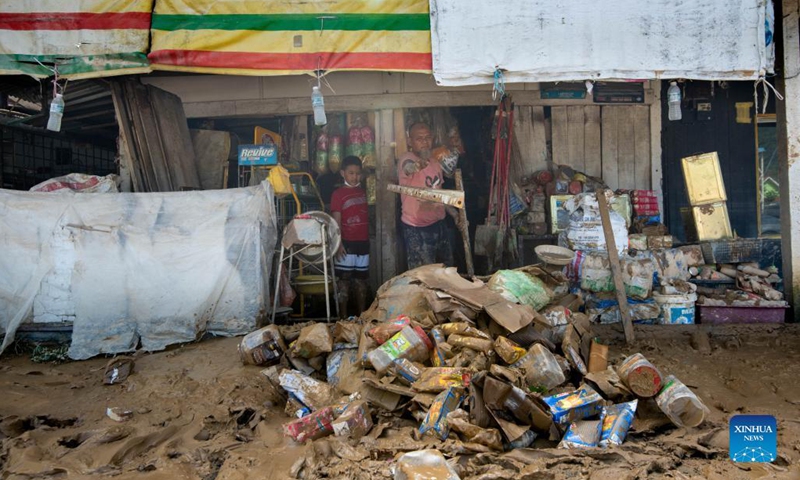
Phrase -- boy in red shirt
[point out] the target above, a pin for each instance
(349, 209)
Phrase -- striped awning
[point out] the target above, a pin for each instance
(83, 39)
(280, 37)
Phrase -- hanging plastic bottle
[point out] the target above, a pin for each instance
(674, 100)
(56, 112)
(318, 104)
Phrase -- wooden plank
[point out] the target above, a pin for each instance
(175, 139)
(148, 138)
(625, 148)
(616, 269)
(559, 128)
(463, 227)
(401, 146)
(540, 136)
(641, 146)
(523, 141)
(139, 137)
(128, 155)
(386, 213)
(592, 144)
(258, 107)
(575, 137)
(609, 133)
(655, 146)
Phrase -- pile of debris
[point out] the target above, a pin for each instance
(465, 367)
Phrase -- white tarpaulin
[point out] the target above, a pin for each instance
(130, 268)
(543, 40)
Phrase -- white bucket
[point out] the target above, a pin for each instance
(676, 309)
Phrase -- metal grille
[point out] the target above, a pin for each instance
(29, 157)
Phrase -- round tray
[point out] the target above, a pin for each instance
(554, 255)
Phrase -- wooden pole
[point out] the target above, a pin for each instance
(464, 227)
(616, 270)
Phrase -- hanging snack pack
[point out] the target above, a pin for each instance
(355, 141)
(368, 147)
(321, 158)
(335, 154)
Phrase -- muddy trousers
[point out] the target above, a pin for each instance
(426, 245)
(355, 287)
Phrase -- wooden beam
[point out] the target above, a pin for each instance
(789, 154)
(616, 269)
(358, 103)
(463, 227)
(386, 211)
(655, 146)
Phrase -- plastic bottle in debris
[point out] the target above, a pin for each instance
(410, 343)
(680, 404)
(318, 104)
(674, 101)
(56, 112)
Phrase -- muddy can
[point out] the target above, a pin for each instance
(262, 347)
(640, 376)
(680, 404)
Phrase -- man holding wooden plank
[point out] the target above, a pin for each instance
(424, 229)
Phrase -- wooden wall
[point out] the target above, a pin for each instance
(612, 142)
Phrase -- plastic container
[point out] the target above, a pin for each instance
(541, 368)
(640, 376)
(680, 404)
(318, 104)
(56, 112)
(674, 100)
(410, 343)
(262, 347)
(676, 309)
(424, 464)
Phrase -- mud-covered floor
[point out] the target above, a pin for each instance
(198, 413)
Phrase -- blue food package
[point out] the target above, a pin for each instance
(571, 406)
(617, 421)
(582, 434)
(436, 419)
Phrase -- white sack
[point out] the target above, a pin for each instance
(160, 268)
(542, 40)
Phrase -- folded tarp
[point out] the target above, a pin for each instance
(545, 41)
(136, 269)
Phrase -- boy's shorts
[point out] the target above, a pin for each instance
(355, 263)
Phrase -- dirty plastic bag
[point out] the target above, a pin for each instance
(312, 393)
(519, 287)
(484, 345)
(509, 351)
(79, 183)
(617, 421)
(569, 407)
(458, 420)
(437, 379)
(313, 340)
(582, 434)
(585, 229)
(346, 332)
(463, 328)
(287, 293)
(424, 465)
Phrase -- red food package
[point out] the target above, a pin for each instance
(311, 427)
(322, 142)
(355, 136)
(367, 136)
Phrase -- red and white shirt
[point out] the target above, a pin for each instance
(351, 202)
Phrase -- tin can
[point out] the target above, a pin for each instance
(640, 376)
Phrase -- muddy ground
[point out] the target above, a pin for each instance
(199, 414)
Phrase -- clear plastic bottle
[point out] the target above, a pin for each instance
(56, 112)
(674, 100)
(318, 104)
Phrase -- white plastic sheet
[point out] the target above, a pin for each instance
(542, 40)
(130, 268)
